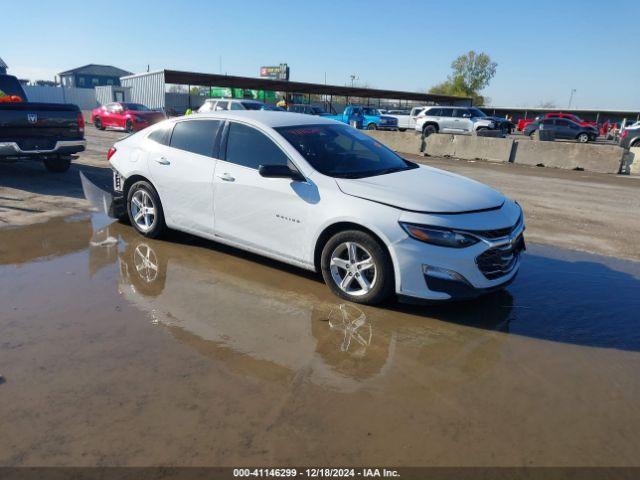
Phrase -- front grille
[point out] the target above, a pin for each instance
(499, 261)
(498, 233)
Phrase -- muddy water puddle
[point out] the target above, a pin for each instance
(119, 350)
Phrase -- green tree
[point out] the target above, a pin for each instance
(471, 73)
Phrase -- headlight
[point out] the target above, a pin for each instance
(439, 236)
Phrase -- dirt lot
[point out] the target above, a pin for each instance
(579, 210)
(116, 350)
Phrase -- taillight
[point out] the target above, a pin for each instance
(110, 153)
(80, 123)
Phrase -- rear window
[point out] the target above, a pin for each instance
(10, 86)
(252, 105)
(196, 136)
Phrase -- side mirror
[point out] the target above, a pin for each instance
(280, 171)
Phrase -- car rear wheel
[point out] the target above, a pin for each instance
(583, 138)
(534, 135)
(57, 165)
(145, 210)
(402, 129)
(429, 130)
(372, 126)
(98, 123)
(357, 267)
(129, 126)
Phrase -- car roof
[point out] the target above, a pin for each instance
(267, 118)
(247, 100)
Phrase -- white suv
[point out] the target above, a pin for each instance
(452, 120)
(220, 104)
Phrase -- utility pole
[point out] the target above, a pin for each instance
(573, 90)
(353, 78)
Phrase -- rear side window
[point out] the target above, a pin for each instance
(161, 135)
(446, 112)
(236, 106)
(196, 136)
(222, 106)
(436, 112)
(251, 148)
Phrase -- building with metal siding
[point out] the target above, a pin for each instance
(92, 75)
(146, 88)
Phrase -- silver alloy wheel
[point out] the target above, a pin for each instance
(353, 269)
(143, 210)
(583, 138)
(146, 263)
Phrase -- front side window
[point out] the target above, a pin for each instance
(343, 152)
(251, 148)
(196, 136)
(223, 106)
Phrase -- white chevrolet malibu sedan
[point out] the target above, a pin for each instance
(323, 196)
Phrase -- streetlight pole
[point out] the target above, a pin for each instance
(573, 90)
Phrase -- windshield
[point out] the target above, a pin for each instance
(136, 107)
(252, 105)
(343, 152)
(477, 113)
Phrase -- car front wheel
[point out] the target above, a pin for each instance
(357, 267)
(145, 210)
(129, 126)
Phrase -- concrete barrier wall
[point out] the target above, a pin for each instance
(403, 142)
(634, 163)
(565, 155)
(569, 156)
(469, 147)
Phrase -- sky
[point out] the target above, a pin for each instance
(544, 49)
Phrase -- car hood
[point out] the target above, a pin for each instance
(424, 189)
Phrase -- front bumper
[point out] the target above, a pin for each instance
(430, 272)
(61, 147)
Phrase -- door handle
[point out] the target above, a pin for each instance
(226, 177)
(163, 161)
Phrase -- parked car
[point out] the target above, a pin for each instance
(465, 120)
(318, 194)
(562, 128)
(126, 116)
(365, 117)
(523, 122)
(217, 104)
(306, 108)
(630, 137)
(501, 123)
(51, 132)
(406, 118)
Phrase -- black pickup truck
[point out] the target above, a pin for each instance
(51, 132)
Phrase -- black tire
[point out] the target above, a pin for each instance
(428, 130)
(157, 225)
(129, 126)
(583, 138)
(402, 129)
(533, 135)
(98, 123)
(372, 126)
(57, 165)
(380, 278)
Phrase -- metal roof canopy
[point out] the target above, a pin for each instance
(214, 80)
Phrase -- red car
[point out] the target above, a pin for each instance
(522, 123)
(130, 117)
